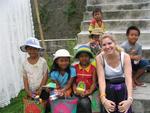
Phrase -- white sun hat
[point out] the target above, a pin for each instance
(31, 42)
(61, 53)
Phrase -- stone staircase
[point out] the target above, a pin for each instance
(118, 15)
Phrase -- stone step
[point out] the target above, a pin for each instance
(120, 24)
(120, 6)
(120, 36)
(146, 77)
(141, 99)
(93, 2)
(121, 14)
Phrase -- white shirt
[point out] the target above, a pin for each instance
(111, 72)
(35, 72)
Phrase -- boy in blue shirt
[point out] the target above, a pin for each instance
(134, 49)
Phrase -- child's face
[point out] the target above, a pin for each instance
(63, 62)
(95, 37)
(33, 52)
(97, 16)
(133, 36)
(84, 58)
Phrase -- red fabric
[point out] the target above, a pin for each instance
(93, 21)
(84, 75)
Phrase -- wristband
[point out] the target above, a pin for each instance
(130, 98)
(102, 95)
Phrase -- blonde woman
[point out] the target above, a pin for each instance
(115, 77)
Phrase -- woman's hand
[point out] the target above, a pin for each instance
(124, 105)
(109, 105)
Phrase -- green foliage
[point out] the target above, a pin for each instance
(70, 46)
(71, 9)
(16, 105)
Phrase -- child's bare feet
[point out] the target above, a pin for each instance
(139, 83)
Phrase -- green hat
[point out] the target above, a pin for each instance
(84, 49)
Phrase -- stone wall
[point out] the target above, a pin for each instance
(59, 18)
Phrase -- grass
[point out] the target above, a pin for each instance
(16, 105)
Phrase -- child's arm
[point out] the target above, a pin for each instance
(69, 84)
(92, 88)
(43, 82)
(91, 26)
(135, 57)
(26, 86)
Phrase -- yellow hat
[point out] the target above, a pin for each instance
(97, 31)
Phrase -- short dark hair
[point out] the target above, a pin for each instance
(96, 10)
(132, 28)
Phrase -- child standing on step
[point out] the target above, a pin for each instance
(97, 21)
(134, 49)
(84, 84)
(62, 73)
(35, 69)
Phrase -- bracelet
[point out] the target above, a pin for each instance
(130, 98)
(102, 95)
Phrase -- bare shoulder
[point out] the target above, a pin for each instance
(126, 57)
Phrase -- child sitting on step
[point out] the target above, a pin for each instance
(134, 49)
(94, 42)
(97, 21)
(62, 73)
(85, 82)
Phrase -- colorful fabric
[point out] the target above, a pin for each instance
(64, 105)
(84, 76)
(94, 24)
(95, 102)
(30, 106)
(62, 79)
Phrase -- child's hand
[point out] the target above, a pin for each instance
(136, 57)
(59, 92)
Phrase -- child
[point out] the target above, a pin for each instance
(96, 22)
(94, 43)
(35, 70)
(62, 73)
(85, 81)
(135, 51)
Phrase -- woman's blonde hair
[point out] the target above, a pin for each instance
(111, 37)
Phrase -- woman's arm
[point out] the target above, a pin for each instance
(26, 86)
(101, 77)
(128, 74)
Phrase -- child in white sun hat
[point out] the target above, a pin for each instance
(35, 69)
(62, 73)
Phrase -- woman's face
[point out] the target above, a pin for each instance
(33, 52)
(84, 58)
(108, 46)
(63, 62)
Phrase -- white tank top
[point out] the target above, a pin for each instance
(111, 72)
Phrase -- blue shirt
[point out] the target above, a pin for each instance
(62, 80)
